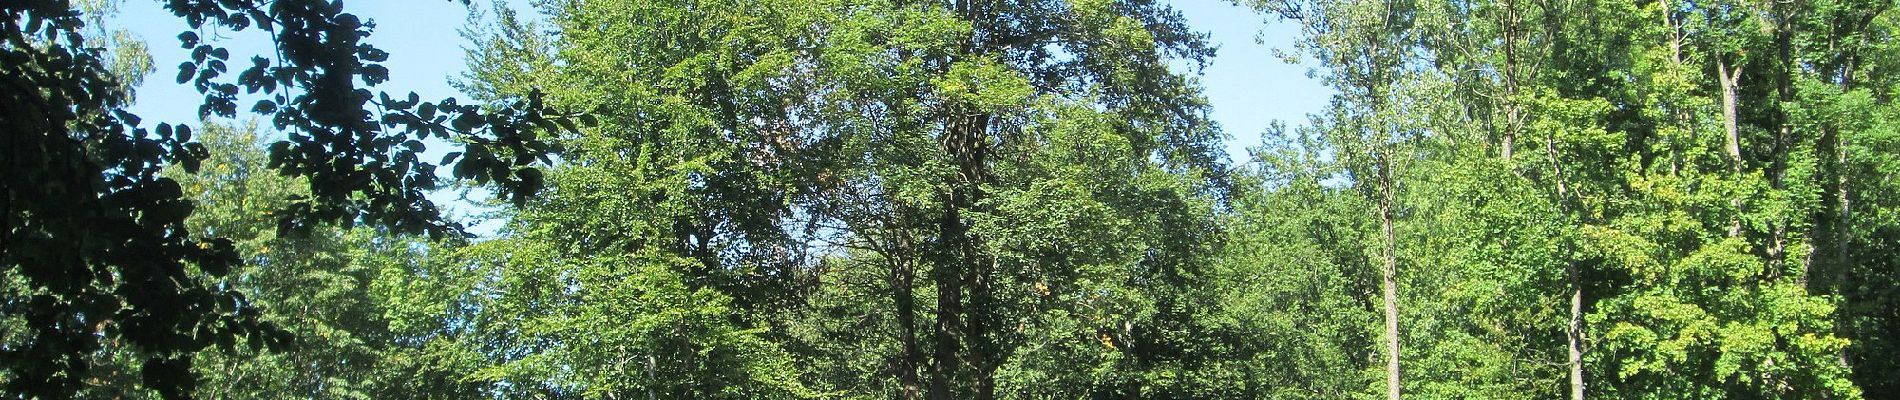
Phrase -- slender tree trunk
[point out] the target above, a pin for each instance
(904, 284)
(1845, 211)
(1844, 214)
(982, 352)
(1784, 140)
(1729, 78)
(1389, 283)
(1843, 263)
(1675, 60)
(1573, 275)
(653, 381)
(1513, 113)
(1389, 286)
(1843, 192)
(1573, 334)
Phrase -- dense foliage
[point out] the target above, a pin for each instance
(96, 249)
(1606, 198)
(966, 199)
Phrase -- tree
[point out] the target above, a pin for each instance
(1040, 171)
(663, 228)
(1365, 45)
(1677, 184)
(1294, 273)
(96, 244)
(784, 147)
(319, 288)
(313, 286)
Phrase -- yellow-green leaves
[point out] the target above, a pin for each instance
(982, 86)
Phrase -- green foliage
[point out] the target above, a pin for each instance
(1041, 180)
(971, 199)
(311, 286)
(609, 327)
(1294, 278)
(96, 247)
(1665, 170)
(319, 288)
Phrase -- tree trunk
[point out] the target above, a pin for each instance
(1573, 275)
(1513, 113)
(1731, 127)
(653, 381)
(1844, 209)
(1573, 334)
(1389, 284)
(982, 352)
(944, 363)
(980, 349)
(904, 270)
(1783, 71)
(1844, 214)
(962, 356)
(903, 293)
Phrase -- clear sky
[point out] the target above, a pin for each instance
(1248, 86)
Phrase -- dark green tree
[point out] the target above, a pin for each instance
(1017, 198)
(96, 248)
(324, 288)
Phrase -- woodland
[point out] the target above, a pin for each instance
(958, 199)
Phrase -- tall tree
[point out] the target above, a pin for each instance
(1365, 46)
(923, 140)
(657, 259)
(1676, 175)
(312, 286)
(1039, 266)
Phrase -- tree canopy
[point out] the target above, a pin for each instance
(96, 244)
(964, 199)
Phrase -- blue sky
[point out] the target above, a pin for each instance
(1248, 86)
(420, 35)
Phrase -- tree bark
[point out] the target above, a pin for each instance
(1729, 78)
(1513, 112)
(1573, 275)
(653, 382)
(903, 279)
(1389, 284)
(980, 348)
(944, 363)
(961, 358)
(1573, 334)
(1784, 139)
